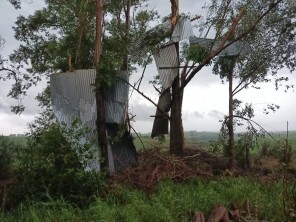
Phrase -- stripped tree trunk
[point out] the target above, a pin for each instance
(176, 125)
(101, 122)
(230, 145)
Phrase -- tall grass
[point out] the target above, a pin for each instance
(170, 202)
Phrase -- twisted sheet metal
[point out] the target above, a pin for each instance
(237, 48)
(161, 122)
(183, 30)
(115, 99)
(73, 96)
(166, 60)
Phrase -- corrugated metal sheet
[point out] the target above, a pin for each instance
(142, 45)
(237, 48)
(166, 57)
(116, 98)
(161, 122)
(122, 150)
(73, 96)
(183, 30)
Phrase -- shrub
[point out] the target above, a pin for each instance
(50, 166)
(7, 151)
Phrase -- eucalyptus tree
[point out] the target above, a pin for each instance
(232, 22)
(62, 37)
(271, 47)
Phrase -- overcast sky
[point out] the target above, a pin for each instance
(205, 98)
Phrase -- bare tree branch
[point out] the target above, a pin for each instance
(251, 122)
(146, 97)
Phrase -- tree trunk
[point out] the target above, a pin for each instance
(176, 125)
(101, 122)
(230, 147)
(175, 12)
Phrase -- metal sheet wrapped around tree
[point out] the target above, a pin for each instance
(237, 48)
(183, 30)
(73, 96)
(116, 97)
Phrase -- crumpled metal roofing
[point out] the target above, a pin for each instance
(161, 122)
(115, 98)
(166, 57)
(142, 45)
(167, 62)
(73, 96)
(237, 48)
(183, 30)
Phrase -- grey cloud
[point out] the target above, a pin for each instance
(142, 111)
(187, 115)
(197, 115)
(216, 114)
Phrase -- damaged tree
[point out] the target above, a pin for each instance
(44, 52)
(176, 125)
(228, 22)
(100, 122)
(243, 26)
(269, 48)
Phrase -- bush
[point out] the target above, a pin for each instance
(50, 166)
(7, 151)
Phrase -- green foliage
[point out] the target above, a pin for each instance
(108, 70)
(16, 3)
(224, 65)
(54, 164)
(195, 53)
(279, 148)
(245, 144)
(170, 202)
(7, 154)
(61, 37)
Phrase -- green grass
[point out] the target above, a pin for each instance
(170, 202)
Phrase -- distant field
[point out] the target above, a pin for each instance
(202, 139)
(18, 139)
(191, 137)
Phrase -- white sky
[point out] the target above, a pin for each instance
(205, 98)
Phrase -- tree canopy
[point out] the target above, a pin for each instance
(61, 37)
